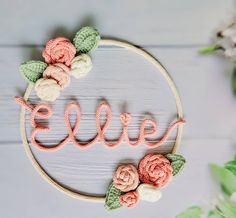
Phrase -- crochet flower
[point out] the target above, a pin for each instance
(126, 178)
(59, 50)
(59, 72)
(47, 89)
(155, 169)
(129, 199)
(81, 65)
(148, 193)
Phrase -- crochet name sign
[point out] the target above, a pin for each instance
(48, 79)
(125, 119)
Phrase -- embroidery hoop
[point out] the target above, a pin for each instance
(64, 188)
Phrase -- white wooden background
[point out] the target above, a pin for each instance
(172, 31)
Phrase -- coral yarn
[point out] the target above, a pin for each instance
(155, 169)
(129, 199)
(101, 128)
(59, 50)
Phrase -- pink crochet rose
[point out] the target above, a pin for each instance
(126, 178)
(129, 199)
(155, 169)
(59, 50)
(60, 73)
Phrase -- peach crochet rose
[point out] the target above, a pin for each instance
(59, 50)
(155, 169)
(58, 72)
(126, 178)
(129, 199)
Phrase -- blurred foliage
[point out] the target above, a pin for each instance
(224, 207)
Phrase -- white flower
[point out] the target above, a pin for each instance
(47, 89)
(227, 40)
(149, 193)
(81, 65)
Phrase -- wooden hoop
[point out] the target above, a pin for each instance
(67, 190)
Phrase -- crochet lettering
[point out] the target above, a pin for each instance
(144, 133)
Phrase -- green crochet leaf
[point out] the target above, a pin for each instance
(86, 40)
(112, 201)
(174, 157)
(192, 212)
(32, 70)
(177, 163)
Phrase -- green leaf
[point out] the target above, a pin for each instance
(215, 214)
(174, 157)
(86, 40)
(231, 166)
(225, 190)
(225, 177)
(227, 208)
(209, 50)
(32, 70)
(177, 163)
(192, 212)
(112, 201)
(234, 81)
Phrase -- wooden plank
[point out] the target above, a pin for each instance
(153, 22)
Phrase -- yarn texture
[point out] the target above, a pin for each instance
(126, 178)
(47, 89)
(101, 129)
(155, 169)
(32, 70)
(149, 193)
(86, 40)
(81, 65)
(59, 50)
(112, 200)
(177, 163)
(129, 199)
(60, 73)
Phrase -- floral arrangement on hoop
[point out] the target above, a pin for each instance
(130, 185)
(62, 60)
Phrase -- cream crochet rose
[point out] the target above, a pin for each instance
(148, 193)
(81, 65)
(47, 89)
